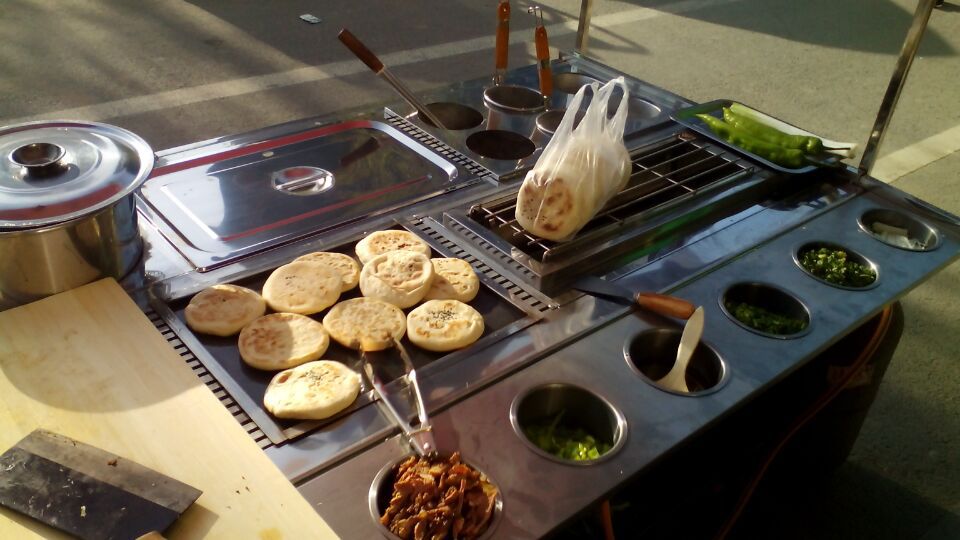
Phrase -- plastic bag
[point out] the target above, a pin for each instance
(580, 169)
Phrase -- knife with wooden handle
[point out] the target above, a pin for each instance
(662, 304)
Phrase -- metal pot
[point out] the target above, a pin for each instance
(67, 211)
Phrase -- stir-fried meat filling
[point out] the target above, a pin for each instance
(438, 497)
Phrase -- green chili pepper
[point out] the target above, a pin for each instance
(786, 157)
(806, 143)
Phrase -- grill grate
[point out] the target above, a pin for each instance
(435, 144)
(665, 173)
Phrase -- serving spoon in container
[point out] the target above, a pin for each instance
(420, 437)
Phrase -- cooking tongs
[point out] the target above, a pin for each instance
(420, 437)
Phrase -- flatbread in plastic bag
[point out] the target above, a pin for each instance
(581, 168)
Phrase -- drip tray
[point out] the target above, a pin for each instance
(222, 207)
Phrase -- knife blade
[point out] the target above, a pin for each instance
(86, 491)
(662, 304)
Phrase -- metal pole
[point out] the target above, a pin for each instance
(583, 29)
(890, 98)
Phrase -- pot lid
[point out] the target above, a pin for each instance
(55, 171)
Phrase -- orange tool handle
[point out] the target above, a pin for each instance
(503, 35)
(666, 305)
(543, 58)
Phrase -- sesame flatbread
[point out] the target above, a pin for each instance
(454, 279)
(302, 287)
(222, 310)
(444, 325)
(401, 278)
(282, 340)
(379, 242)
(312, 391)
(365, 323)
(346, 265)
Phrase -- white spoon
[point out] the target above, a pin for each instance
(692, 331)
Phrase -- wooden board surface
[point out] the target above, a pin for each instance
(88, 363)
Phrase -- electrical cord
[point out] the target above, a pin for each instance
(871, 348)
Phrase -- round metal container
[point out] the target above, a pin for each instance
(454, 115)
(378, 498)
(652, 353)
(581, 409)
(851, 255)
(67, 212)
(517, 99)
(770, 298)
(928, 236)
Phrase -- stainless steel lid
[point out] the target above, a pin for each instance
(55, 171)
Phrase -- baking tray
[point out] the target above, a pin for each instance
(221, 355)
(687, 117)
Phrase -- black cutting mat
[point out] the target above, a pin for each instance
(497, 313)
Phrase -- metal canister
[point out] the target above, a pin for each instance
(67, 210)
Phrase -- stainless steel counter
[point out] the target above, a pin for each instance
(746, 230)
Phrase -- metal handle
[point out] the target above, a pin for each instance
(367, 57)
(543, 54)
(910, 45)
(503, 41)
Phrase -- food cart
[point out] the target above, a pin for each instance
(700, 220)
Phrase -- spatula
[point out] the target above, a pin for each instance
(676, 379)
(86, 491)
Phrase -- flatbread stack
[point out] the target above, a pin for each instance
(401, 278)
(312, 391)
(444, 325)
(302, 287)
(454, 279)
(282, 340)
(379, 242)
(344, 264)
(366, 324)
(222, 310)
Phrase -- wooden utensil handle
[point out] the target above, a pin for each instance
(503, 34)
(543, 58)
(363, 53)
(666, 305)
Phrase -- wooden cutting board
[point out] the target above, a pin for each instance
(88, 364)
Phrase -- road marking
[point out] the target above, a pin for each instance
(904, 161)
(238, 87)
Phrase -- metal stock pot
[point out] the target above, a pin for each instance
(67, 211)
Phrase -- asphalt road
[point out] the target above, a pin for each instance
(177, 72)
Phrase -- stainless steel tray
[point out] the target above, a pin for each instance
(687, 117)
(220, 207)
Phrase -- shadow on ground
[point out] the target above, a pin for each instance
(859, 25)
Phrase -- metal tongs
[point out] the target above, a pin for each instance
(421, 437)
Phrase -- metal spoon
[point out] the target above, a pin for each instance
(692, 331)
(367, 57)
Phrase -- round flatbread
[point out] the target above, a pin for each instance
(282, 340)
(401, 278)
(365, 323)
(444, 325)
(454, 279)
(312, 391)
(222, 310)
(346, 265)
(302, 287)
(379, 242)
